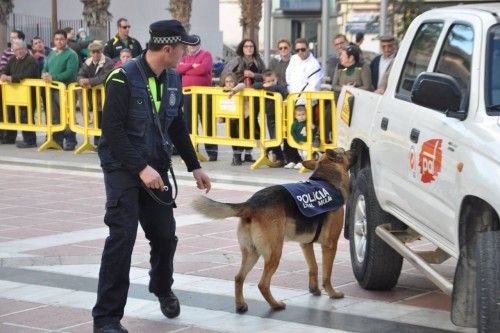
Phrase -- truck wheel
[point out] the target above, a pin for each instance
(375, 264)
(488, 281)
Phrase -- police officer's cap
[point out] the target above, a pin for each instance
(171, 32)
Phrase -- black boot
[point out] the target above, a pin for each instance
(249, 158)
(236, 159)
(110, 328)
(169, 305)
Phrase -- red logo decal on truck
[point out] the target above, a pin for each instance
(430, 160)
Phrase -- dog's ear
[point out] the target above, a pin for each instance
(310, 164)
(352, 157)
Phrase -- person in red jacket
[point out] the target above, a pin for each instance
(196, 70)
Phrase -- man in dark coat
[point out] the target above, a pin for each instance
(21, 66)
(381, 63)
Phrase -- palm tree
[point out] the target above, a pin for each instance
(181, 11)
(97, 17)
(6, 7)
(251, 14)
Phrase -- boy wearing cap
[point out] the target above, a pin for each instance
(142, 118)
(93, 72)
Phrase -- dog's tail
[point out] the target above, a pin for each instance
(215, 209)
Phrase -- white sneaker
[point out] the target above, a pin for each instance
(298, 166)
(290, 165)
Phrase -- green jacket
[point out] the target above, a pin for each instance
(297, 127)
(62, 66)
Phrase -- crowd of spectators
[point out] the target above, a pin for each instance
(76, 57)
(297, 70)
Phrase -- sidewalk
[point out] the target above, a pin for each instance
(52, 234)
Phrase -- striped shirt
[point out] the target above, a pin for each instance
(7, 54)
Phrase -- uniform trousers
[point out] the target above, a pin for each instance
(127, 204)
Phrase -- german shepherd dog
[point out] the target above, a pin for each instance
(271, 216)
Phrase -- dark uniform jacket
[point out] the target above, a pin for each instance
(130, 139)
(115, 45)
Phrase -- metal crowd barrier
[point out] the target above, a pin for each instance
(319, 105)
(245, 103)
(34, 97)
(233, 109)
(91, 103)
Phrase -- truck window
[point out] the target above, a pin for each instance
(492, 92)
(456, 55)
(418, 57)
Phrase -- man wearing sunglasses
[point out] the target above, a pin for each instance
(279, 63)
(121, 41)
(304, 71)
(339, 44)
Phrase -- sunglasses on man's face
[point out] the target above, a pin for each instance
(125, 26)
(302, 49)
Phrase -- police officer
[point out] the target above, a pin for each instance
(142, 118)
(121, 41)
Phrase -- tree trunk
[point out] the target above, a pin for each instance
(181, 11)
(251, 14)
(95, 13)
(6, 7)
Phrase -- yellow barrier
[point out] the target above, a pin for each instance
(28, 95)
(233, 110)
(90, 111)
(325, 104)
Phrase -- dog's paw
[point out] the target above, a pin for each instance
(337, 294)
(315, 291)
(279, 306)
(242, 308)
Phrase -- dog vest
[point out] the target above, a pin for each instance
(314, 197)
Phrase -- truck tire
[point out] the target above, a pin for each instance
(375, 264)
(488, 281)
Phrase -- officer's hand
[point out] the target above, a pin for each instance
(202, 180)
(151, 178)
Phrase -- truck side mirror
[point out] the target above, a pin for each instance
(439, 92)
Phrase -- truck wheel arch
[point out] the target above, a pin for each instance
(476, 216)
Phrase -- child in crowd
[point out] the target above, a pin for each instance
(270, 83)
(82, 36)
(299, 134)
(230, 86)
(125, 55)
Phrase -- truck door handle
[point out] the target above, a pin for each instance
(414, 135)
(384, 123)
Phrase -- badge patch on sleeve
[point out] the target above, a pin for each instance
(171, 99)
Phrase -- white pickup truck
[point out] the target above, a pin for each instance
(429, 162)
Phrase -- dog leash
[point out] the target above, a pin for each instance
(169, 156)
(165, 188)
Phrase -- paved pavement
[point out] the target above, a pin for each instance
(52, 234)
